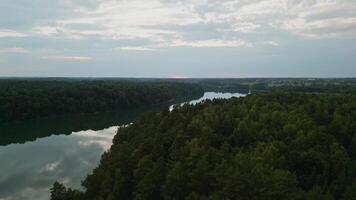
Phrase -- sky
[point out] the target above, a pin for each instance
(178, 38)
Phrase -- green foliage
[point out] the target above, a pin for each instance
(34, 98)
(264, 147)
(59, 192)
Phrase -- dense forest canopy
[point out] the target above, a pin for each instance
(22, 99)
(263, 146)
(341, 85)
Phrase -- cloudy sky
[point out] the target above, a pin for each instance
(178, 38)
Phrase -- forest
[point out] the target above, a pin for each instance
(23, 99)
(267, 146)
(324, 85)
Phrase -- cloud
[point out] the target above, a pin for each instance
(191, 19)
(13, 50)
(11, 33)
(50, 167)
(46, 30)
(271, 43)
(245, 27)
(103, 134)
(113, 19)
(73, 29)
(335, 27)
(121, 20)
(332, 18)
(102, 138)
(136, 48)
(135, 19)
(68, 58)
(211, 43)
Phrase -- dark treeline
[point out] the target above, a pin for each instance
(13, 132)
(318, 88)
(34, 98)
(30, 130)
(314, 85)
(264, 146)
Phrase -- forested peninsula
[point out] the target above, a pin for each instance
(278, 145)
(23, 99)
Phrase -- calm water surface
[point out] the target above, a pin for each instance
(33, 154)
(212, 95)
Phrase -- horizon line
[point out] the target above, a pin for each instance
(182, 78)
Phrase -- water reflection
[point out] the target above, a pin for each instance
(30, 161)
(28, 170)
(36, 153)
(11, 133)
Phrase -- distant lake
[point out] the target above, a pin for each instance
(211, 96)
(35, 154)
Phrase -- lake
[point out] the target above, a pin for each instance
(210, 95)
(36, 153)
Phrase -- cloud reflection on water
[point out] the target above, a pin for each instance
(31, 168)
(38, 164)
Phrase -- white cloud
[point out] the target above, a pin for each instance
(211, 43)
(335, 27)
(104, 134)
(303, 17)
(136, 48)
(271, 43)
(13, 50)
(317, 18)
(102, 138)
(320, 18)
(11, 33)
(245, 27)
(140, 13)
(163, 21)
(46, 30)
(68, 58)
(122, 20)
(51, 166)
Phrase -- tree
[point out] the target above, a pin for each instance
(58, 191)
